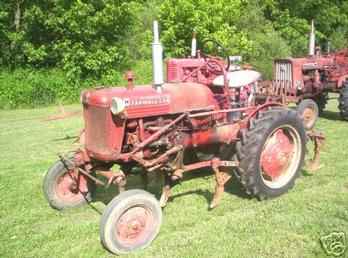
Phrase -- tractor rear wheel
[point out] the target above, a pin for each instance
(271, 153)
(65, 188)
(309, 112)
(343, 101)
(131, 221)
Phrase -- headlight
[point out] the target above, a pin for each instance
(117, 106)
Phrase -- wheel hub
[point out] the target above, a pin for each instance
(133, 226)
(308, 115)
(276, 155)
(70, 186)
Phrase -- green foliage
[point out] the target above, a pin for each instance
(339, 39)
(180, 18)
(266, 43)
(82, 37)
(32, 88)
(292, 19)
(81, 43)
(240, 26)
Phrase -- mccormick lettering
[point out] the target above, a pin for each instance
(150, 100)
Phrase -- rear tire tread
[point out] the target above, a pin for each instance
(248, 151)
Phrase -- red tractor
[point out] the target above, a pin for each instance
(307, 81)
(206, 115)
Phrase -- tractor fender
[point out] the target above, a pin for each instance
(263, 107)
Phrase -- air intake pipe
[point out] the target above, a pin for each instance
(312, 40)
(157, 59)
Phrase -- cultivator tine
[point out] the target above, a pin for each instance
(318, 140)
(221, 179)
(166, 191)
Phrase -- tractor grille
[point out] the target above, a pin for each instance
(283, 71)
(97, 120)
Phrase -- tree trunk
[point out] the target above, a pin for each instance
(17, 17)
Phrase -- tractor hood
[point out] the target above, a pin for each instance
(145, 101)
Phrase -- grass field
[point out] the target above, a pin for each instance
(289, 226)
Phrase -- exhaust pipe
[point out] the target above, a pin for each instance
(328, 47)
(157, 59)
(194, 45)
(312, 41)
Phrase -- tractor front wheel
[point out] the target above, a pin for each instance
(343, 101)
(271, 153)
(64, 188)
(131, 221)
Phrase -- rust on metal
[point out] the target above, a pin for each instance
(221, 178)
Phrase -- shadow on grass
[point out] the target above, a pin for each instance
(307, 173)
(65, 138)
(105, 195)
(331, 115)
(232, 187)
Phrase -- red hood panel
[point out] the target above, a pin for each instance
(145, 101)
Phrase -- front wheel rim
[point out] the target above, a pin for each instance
(280, 156)
(134, 226)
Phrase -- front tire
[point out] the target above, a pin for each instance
(131, 221)
(271, 153)
(64, 188)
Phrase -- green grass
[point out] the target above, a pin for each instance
(289, 226)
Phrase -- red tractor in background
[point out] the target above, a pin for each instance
(206, 115)
(308, 80)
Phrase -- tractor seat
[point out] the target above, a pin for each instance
(238, 78)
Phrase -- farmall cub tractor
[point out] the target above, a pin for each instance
(308, 80)
(205, 116)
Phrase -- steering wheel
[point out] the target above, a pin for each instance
(213, 65)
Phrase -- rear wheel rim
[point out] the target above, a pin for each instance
(71, 187)
(134, 226)
(280, 157)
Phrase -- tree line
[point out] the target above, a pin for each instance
(95, 40)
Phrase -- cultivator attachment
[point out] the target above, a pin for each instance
(221, 178)
(319, 140)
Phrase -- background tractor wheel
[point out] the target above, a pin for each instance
(343, 101)
(63, 188)
(321, 101)
(308, 110)
(271, 153)
(131, 221)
